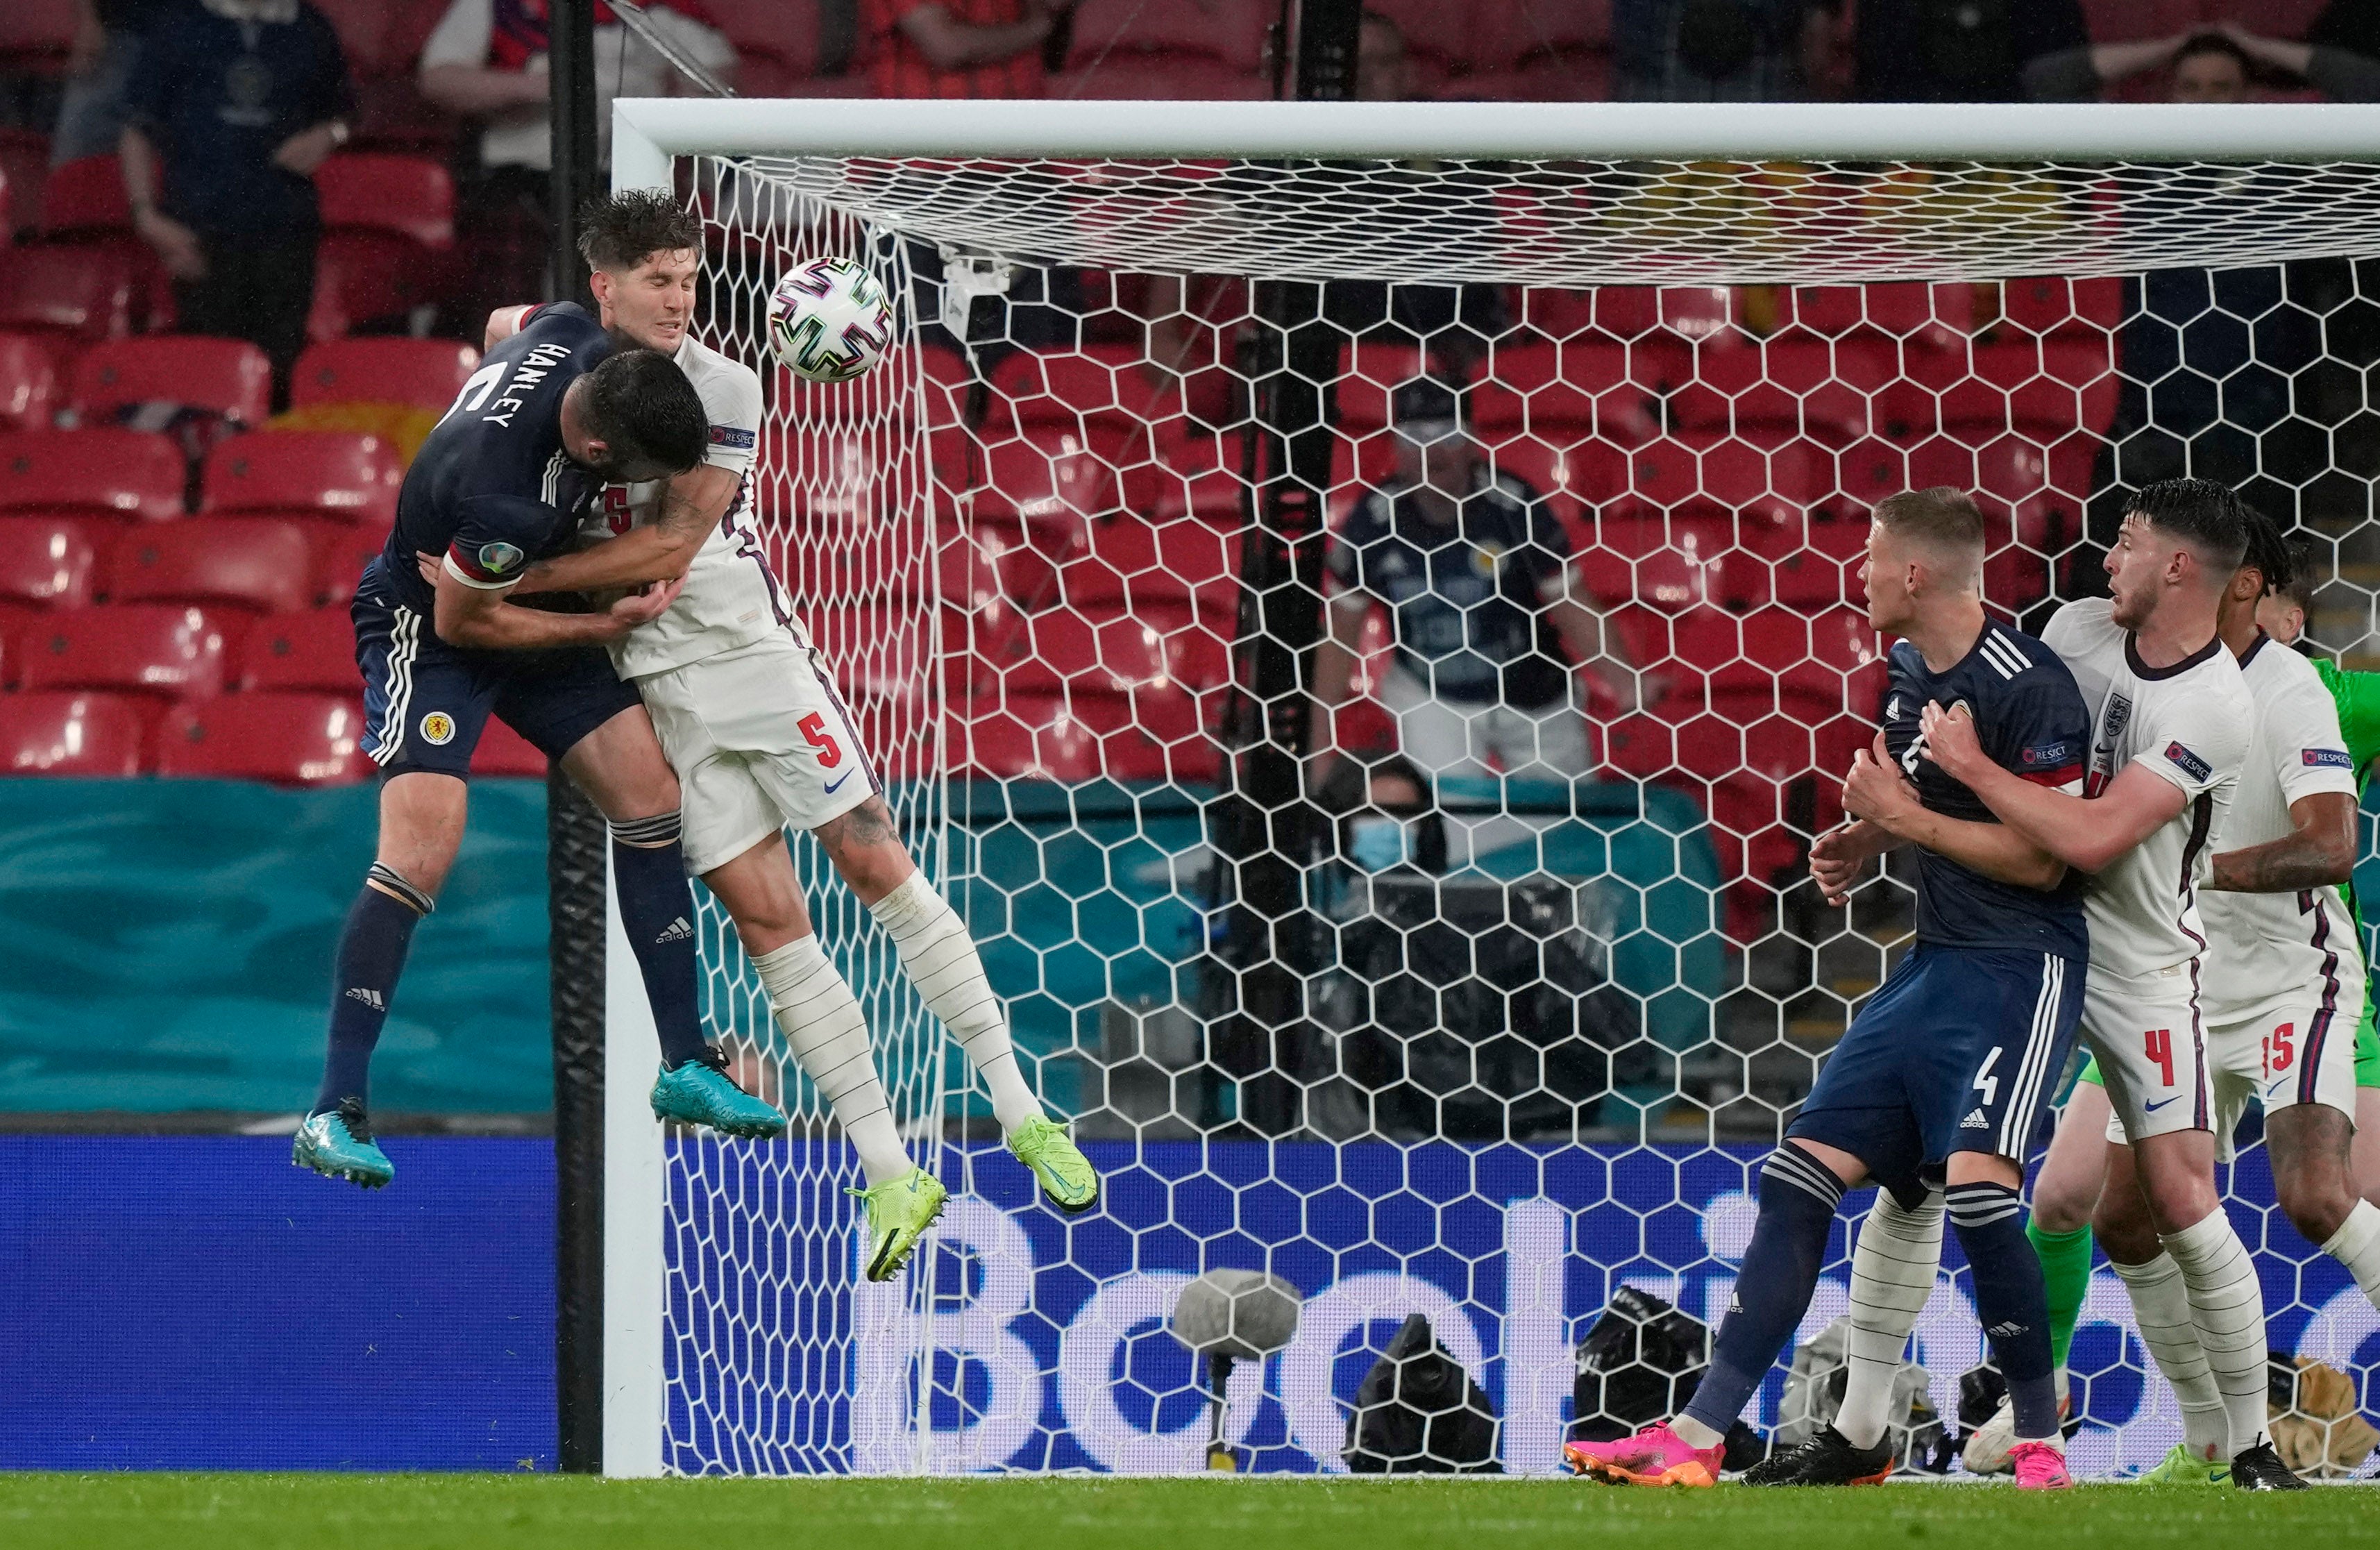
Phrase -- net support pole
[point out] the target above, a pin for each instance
(1263, 826)
(632, 1163)
(577, 868)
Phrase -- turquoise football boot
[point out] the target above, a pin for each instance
(899, 1212)
(1064, 1173)
(339, 1145)
(701, 1092)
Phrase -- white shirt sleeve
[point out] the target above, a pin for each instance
(732, 399)
(2069, 631)
(462, 36)
(2198, 742)
(709, 48)
(2301, 731)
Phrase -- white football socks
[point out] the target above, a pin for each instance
(828, 1033)
(1893, 1266)
(2161, 1308)
(941, 960)
(2356, 1245)
(2228, 1305)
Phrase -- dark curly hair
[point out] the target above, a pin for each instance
(619, 231)
(641, 404)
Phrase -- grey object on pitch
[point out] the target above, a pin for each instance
(1223, 1316)
(1236, 1313)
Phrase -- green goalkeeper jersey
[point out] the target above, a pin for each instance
(2357, 698)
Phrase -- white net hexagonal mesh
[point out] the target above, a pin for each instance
(1537, 1061)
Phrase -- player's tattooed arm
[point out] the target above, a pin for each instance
(2086, 834)
(660, 551)
(2318, 850)
(1877, 793)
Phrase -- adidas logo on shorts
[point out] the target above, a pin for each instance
(1976, 1121)
(678, 931)
(368, 997)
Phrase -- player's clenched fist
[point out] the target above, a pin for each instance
(1949, 740)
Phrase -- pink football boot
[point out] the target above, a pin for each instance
(1655, 1455)
(2039, 1467)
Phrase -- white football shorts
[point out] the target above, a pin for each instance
(2302, 1052)
(2151, 1050)
(760, 740)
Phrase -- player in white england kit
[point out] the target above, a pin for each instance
(750, 719)
(2284, 979)
(2172, 719)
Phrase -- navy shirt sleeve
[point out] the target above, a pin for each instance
(2041, 731)
(494, 536)
(1363, 528)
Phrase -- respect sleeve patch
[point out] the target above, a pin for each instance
(2327, 758)
(2188, 763)
(734, 437)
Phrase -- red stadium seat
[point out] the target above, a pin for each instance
(155, 650)
(327, 473)
(44, 560)
(1029, 736)
(308, 649)
(388, 230)
(340, 555)
(289, 739)
(86, 196)
(229, 377)
(256, 562)
(502, 751)
(36, 34)
(29, 382)
(127, 473)
(80, 293)
(427, 373)
(70, 735)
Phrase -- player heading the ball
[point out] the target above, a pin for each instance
(748, 713)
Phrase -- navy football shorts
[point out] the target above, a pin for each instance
(1961, 1050)
(425, 701)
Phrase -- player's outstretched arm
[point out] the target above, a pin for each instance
(2086, 832)
(661, 550)
(2319, 849)
(1877, 793)
(479, 617)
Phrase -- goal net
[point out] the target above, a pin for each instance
(1491, 1048)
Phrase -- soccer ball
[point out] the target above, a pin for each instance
(830, 320)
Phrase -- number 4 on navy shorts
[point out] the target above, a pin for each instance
(1957, 1052)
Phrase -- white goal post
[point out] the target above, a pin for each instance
(1769, 196)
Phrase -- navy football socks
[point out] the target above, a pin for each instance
(657, 912)
(1798, 1197)
(371, 955)
(2011, 1299)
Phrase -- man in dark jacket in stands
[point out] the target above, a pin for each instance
(232, 107)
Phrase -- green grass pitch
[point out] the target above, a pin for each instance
(466, 1512)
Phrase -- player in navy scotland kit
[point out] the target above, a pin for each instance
(505, 478)
(1943, 1077)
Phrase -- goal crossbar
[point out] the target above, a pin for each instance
(648, 131)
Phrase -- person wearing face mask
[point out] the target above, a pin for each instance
(1474, 572)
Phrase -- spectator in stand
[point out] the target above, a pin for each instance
(1967, 51)
(1475, 573)
(1713, 51)
(2341, 57)
(106, 44)
(2207, 67)
(236, 103)
(960, 48)
(487, 61)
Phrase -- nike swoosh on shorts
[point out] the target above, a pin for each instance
(837, 781)
(2147, 1107)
